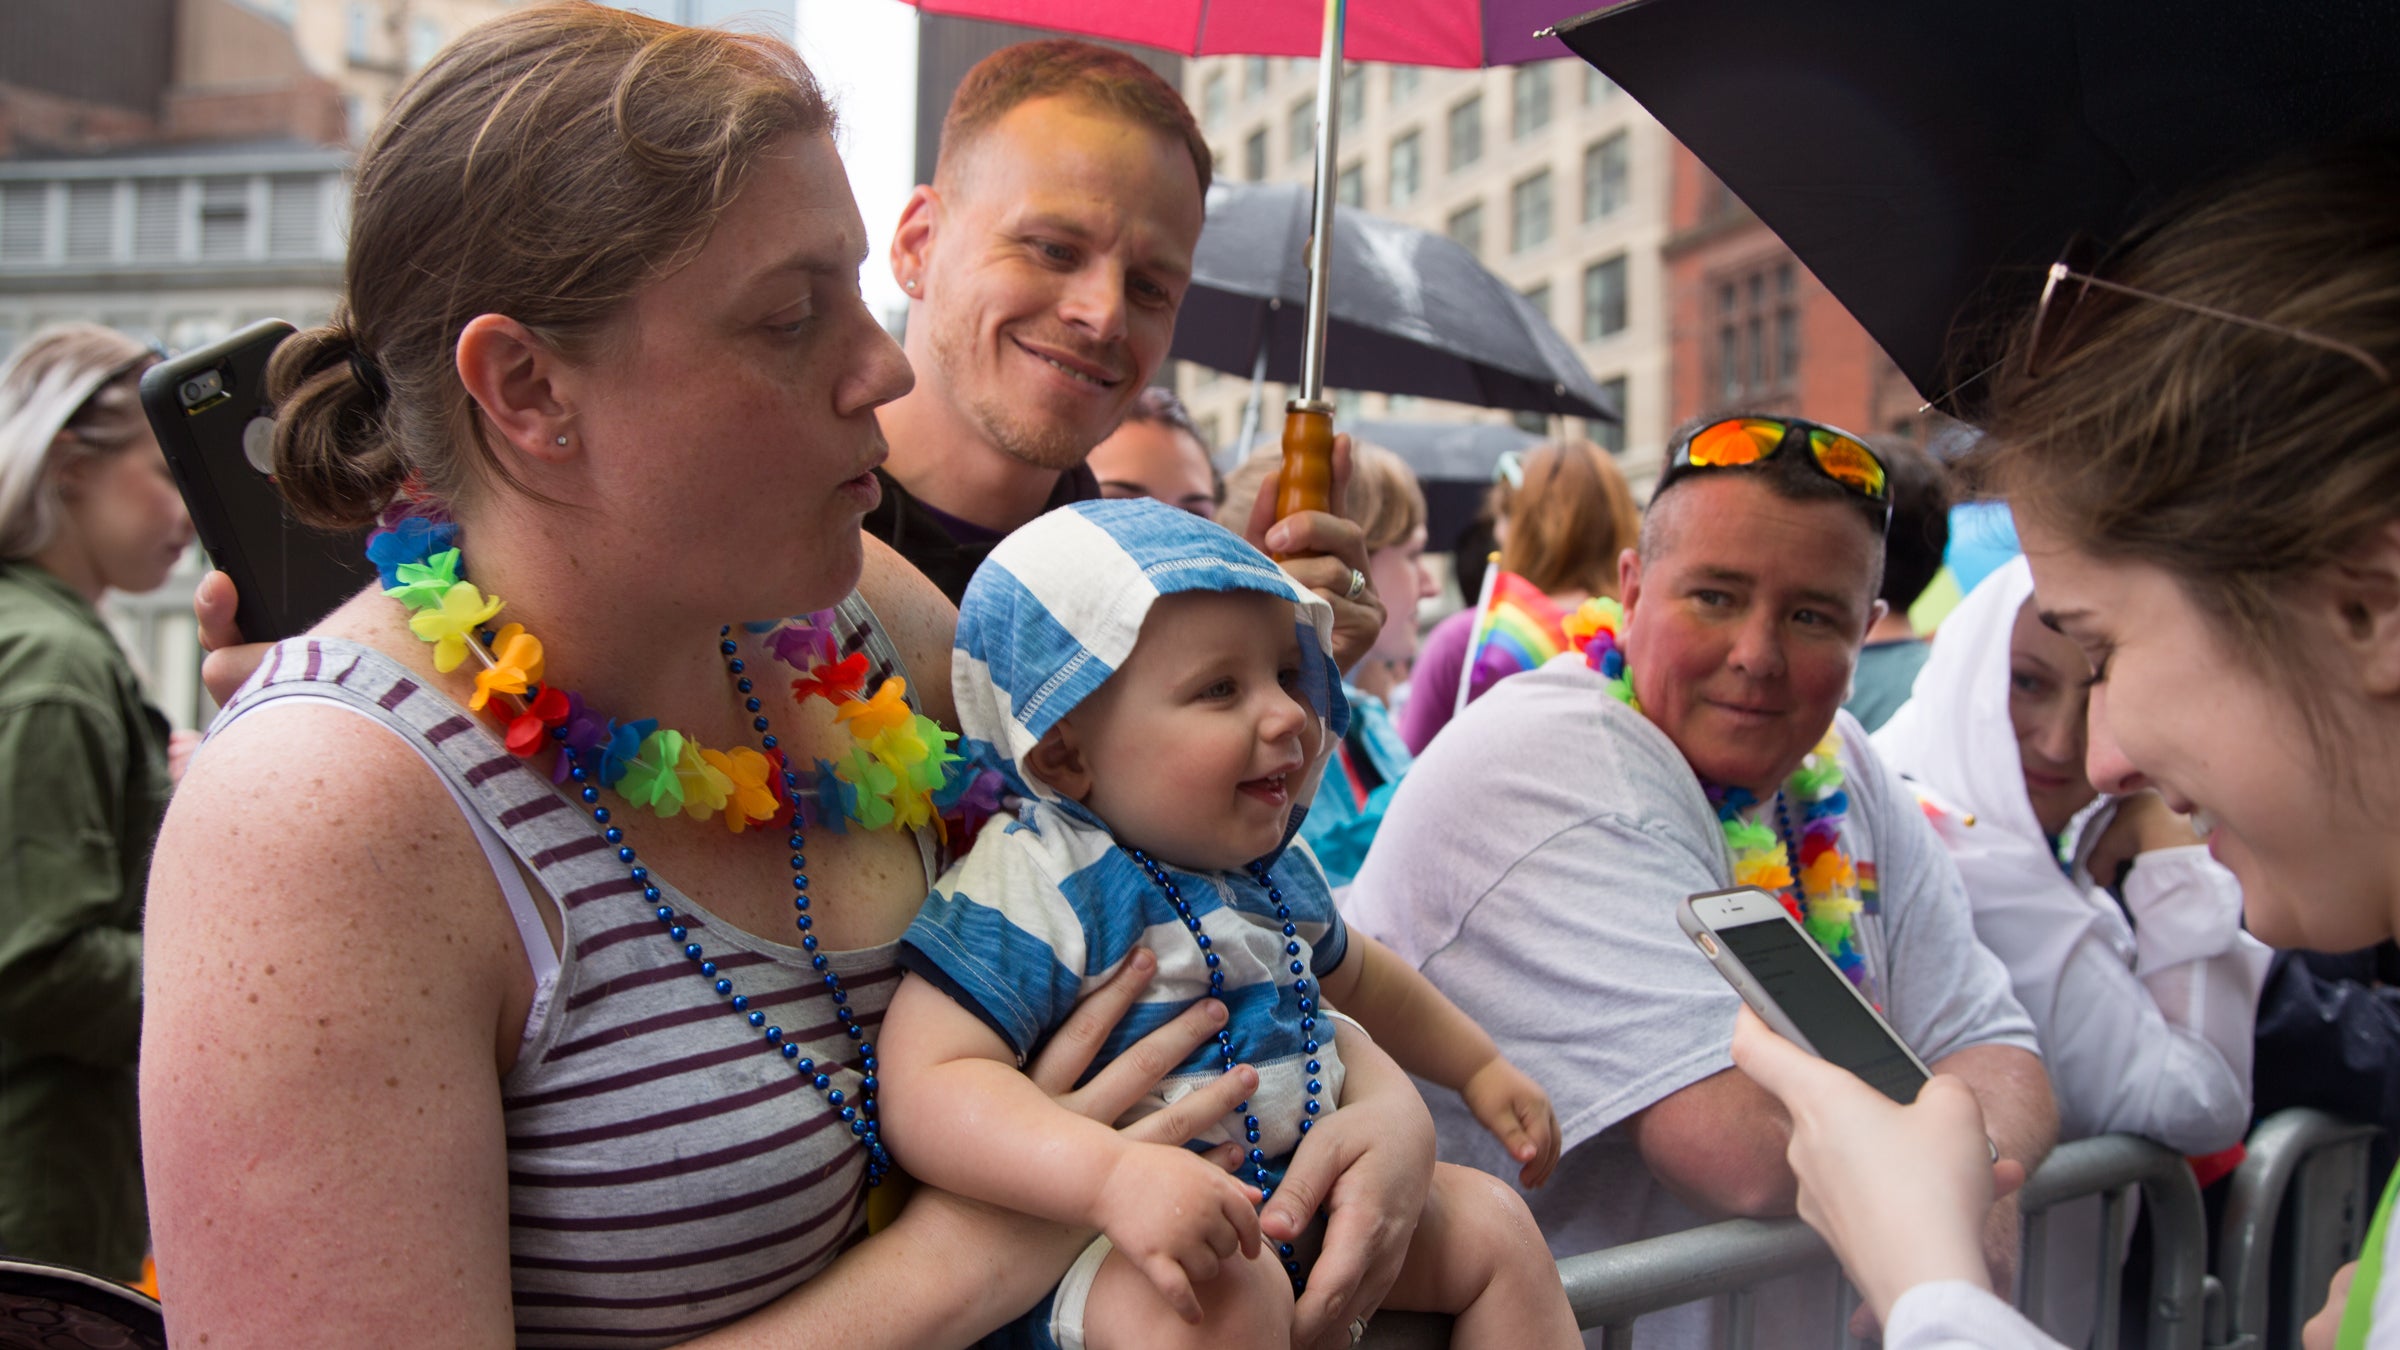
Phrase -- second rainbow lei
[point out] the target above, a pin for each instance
(897, 774)
(1826, 898)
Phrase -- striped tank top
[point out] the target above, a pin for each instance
(668, 1171)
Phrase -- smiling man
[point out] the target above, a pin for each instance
(1532, 861)
(1044, 265)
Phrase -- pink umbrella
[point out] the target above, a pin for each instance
(1411, 32)
(1463, 33)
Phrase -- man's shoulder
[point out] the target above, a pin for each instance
(1560, 720)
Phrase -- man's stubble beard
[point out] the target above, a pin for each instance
(1037, 443)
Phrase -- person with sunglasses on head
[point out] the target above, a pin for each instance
(2197, 437)
(1693, 741)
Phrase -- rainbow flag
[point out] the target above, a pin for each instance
(1516, 628)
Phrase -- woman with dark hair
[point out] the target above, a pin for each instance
(86, 507)
(504, 1014)
(2200, 449)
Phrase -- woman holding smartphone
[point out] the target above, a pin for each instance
(2210, 502)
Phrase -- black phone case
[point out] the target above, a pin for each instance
(289, 575)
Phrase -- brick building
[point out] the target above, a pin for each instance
(1748, 327)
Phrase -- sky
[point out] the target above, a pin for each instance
(864, 52)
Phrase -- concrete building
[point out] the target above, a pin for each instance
(1556, 180)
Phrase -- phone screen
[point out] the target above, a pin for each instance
(1820, 1002)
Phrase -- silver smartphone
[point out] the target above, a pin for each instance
(1794, 987)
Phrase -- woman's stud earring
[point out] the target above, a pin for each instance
(558, 440)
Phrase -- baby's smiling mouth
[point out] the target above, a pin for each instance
(1271, 787)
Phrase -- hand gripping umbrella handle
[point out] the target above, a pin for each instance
(1306, 482)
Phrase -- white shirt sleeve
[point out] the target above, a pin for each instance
(2162, 1049)
(1955, 1315)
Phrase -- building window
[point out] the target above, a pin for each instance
(1212, 99)
(1787, 323)
(224, 217)
(1353, 99)
(1758, 334)
(1466, 226)
(294, 216)
(1604, 298)
(1529, 213)
(1351, 188)
(91, 220)
(1254, 156)
(1539, 298)
(1597, 88)
(1610, 436)
(1607, 170)
(359, 32)
(24, 222)
(158, 218)
(1529, 100)
(1300, 131)
(1407, 160)
(1254, 76)
(1404, 83)
(1466, 132)
(1716, 200)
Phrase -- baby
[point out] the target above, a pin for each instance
(1162, 698)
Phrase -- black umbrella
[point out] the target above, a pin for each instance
(1411, 312)
(1928, 159)
(1454, 463)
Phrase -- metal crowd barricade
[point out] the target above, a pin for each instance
(1609, 1289)
(2315, 1166)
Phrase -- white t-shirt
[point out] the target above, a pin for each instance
(1531, 864)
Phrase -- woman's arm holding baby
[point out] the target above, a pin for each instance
(958, 1114)
(1432, 1038)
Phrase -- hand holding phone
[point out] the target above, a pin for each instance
(216, 425)
(1787, 979)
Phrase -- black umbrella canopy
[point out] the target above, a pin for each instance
(1411, 312)
(1929, 159)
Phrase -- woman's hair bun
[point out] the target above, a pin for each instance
(334, 463)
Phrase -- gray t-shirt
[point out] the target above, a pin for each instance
(1531, 864)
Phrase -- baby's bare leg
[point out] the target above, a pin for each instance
(1478, 1254)
(1248, 1306)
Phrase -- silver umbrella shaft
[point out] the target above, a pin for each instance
(1320, 240)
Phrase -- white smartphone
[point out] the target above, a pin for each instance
(1794, 987)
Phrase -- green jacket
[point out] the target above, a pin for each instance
(83, 785)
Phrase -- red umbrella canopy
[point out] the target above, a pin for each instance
(1461, 33)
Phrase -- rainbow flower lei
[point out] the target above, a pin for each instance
(897, 774)
(1824, 896)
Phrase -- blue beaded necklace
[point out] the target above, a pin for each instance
(859, 1115)
(1216, 990)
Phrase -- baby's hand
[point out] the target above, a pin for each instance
(1517, 1112)
(1177, 1217)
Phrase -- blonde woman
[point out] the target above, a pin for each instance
(86, 507)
